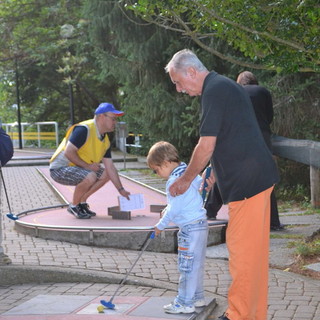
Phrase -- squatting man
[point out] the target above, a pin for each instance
(77, 160)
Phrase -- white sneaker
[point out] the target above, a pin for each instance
(200, 303)
(177, 308)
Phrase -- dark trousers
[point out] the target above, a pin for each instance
(213, 202)
(274, 221)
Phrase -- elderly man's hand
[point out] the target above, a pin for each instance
(179, 187)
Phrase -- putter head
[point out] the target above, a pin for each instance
(12, 216)
(107, 304)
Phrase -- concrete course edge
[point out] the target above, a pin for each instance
(17, 274)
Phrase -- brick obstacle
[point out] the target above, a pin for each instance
(116, 213)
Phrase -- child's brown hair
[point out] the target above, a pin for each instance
(160, 152)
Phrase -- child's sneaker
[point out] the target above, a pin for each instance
(200, 303)
(85, 207)
(78, 212)
(178, 308)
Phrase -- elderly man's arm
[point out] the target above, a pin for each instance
(200, 157)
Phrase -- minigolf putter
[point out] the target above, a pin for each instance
(109, 304)
(10, 215)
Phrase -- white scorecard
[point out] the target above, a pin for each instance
(136, 202)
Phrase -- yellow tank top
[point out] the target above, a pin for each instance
(92, 150)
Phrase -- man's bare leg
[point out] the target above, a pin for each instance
(83, 187)
(90, 186)
(100, 183)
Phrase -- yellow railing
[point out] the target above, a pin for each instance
(33, 135)
(32, 132)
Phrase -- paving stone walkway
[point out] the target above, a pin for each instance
(69, 270)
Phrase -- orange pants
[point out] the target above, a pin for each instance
(248, 244)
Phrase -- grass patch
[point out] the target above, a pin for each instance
(312, 211)
(308, 247)
(286, 236)
(142, 171)
(305, 213)
(292, 226)
(293, 205)
(285, 206)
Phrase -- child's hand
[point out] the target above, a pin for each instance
(157, 231)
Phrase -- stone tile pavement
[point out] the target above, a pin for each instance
(68, 269)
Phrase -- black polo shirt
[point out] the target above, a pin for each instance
(262, 104)
(242, 162)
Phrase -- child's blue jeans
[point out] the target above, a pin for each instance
(192, 244)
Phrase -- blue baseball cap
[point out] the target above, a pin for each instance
(108, 107)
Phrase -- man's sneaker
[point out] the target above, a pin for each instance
(177, 308)
(85, 207)
(78, 212)
(200, 303)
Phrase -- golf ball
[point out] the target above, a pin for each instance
(100, 309)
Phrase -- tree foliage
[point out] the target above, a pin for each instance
(133, 55)
(107, 53)
(116, 51)
(48, 60)
(281, 35)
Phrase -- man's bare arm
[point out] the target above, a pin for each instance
(72, 155)
(200, 157)
(114, 177)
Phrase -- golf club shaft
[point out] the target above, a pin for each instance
(5, 189)
(205, 184)
(129, 271)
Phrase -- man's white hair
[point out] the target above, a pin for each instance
(184, 59)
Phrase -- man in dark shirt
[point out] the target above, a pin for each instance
(245, 174)
(263, 108)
